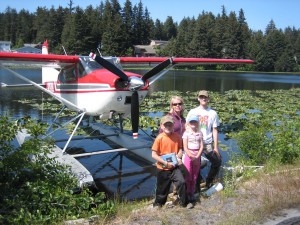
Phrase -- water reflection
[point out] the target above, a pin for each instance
(220, 81)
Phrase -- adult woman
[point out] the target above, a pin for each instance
(176, 111)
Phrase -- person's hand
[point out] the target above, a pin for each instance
(192, 157)
(169, 165)
(215, 151)
(179, 161)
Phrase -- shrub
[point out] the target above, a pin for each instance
(34, 189)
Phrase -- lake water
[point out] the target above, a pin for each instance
(123, 173)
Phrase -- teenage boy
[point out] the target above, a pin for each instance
(208, 124)
(165, 143)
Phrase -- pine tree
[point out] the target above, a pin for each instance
(170, 28)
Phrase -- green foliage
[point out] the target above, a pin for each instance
(34, 189)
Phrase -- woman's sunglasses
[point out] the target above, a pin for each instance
(176, 104)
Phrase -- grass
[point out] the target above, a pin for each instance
(272, 190)
(266, 192)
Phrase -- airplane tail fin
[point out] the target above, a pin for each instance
(45, 47)
(49, 74)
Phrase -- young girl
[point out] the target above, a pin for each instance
(193, 146)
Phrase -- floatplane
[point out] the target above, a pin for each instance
(97, 86)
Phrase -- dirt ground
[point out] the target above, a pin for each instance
(267, 200)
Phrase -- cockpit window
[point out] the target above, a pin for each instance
(88, 65)
(67, 74)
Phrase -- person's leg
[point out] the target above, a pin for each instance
(178, 179)
(188, 178)
(163, 184)
(216, 162)
(202, 164)
(194, 175)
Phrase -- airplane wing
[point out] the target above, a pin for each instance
(184, 60)
(8, 58)
(34, 59)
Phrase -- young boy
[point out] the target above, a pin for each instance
(165, 143)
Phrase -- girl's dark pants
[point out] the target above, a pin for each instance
(164, 180)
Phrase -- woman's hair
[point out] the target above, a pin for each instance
(171, 104)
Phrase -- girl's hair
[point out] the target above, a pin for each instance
(189, 129)
(171, 104)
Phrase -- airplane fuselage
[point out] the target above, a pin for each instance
(93, 89)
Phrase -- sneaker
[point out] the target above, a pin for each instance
(176, 201)
(156, 206)
(170, 204)
(190, 206)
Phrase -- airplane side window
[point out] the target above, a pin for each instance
(67, 75)
(81, 71)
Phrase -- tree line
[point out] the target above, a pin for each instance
(115, 29)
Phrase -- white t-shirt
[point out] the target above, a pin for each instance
(208, 119)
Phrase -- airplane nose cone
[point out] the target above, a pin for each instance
(135, 83)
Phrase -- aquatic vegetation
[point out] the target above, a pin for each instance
(264, 123)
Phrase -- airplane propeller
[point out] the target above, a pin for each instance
(133, 84)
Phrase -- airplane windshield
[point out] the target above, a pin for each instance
(90, 65)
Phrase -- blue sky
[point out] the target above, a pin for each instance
(257, 12)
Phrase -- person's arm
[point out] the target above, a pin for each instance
(179, 156)
(200, 149)
(215, 137)
(160, 160)
(186, 149)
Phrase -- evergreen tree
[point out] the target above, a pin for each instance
(297, 50)
(68, 34)
(243, 35)
(148, 26)
(255, 45)
(112, 39)
(158, 32)
(231, 45)
(218, 37)
(177, 47)
(270, 27)
(24, 28)
(56, 24)
(139, 25)
(94, 19)
(127, 18)
(41, 24)
(170, 28)
(201, 45)
(286, 62)
(9, 21)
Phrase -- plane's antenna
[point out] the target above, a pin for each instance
(64, 50)
(99, 51)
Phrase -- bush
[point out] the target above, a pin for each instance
(34, 189)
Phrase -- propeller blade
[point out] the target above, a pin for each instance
(135, 112)
(157, 69)
(109, 66)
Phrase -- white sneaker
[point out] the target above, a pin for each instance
(190, 206)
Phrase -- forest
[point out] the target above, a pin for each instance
(115, 29)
